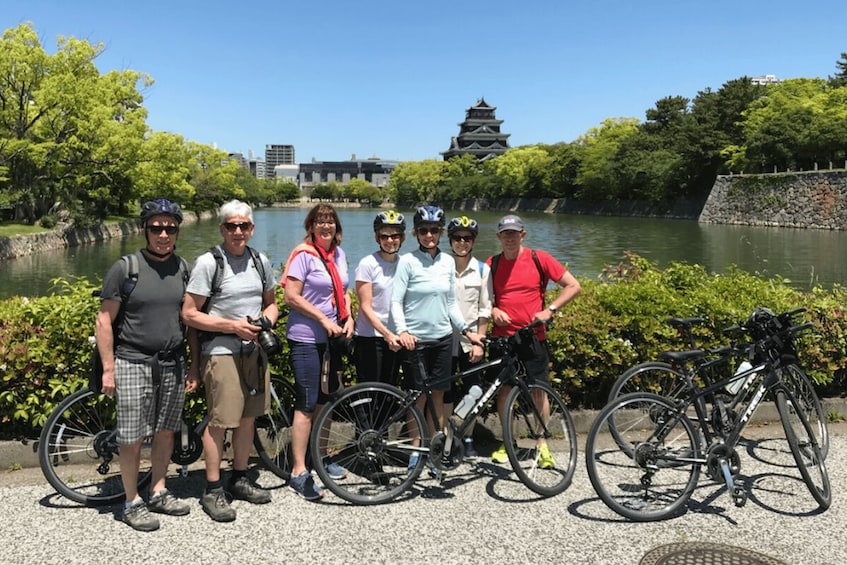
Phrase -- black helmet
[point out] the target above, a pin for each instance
(160, 206)
(463, 224)
(429, 215)
(389, 218)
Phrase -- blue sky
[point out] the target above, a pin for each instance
(393, 78)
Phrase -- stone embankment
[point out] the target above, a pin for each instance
(23, 245)
(785, 200)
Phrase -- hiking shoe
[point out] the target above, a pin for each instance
(304, 485)
(243, 489)
(217, 506)
(545, 458)
(166, 503)
(470, 450)
(334, 470)
(139, 518)
(500, 456)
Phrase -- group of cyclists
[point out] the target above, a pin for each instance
(425, 302)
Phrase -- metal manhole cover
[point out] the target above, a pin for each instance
(702, 553)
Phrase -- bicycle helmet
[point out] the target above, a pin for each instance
(429, 215)
(463, 224)
(389, 218)
(160, 206)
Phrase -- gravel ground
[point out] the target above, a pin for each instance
(480, 513)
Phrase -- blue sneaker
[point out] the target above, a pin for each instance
(413, 460)
(334, 470)
(304, 485)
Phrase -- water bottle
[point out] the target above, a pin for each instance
(468, 402)
(734, 386)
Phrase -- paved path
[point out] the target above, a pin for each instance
(480, 514)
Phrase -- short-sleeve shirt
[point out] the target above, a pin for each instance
(517, 288)
(379, 273)
(151, 320)
(317, 289)
(241, 293)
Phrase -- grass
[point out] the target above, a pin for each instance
(10, 229)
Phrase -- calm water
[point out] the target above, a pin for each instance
(586, 243)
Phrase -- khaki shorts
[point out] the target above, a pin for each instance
(227, 378)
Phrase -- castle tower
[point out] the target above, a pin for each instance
(479, 134)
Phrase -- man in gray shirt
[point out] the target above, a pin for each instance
(234, 366)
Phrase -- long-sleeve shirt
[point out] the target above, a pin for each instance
(423, 299)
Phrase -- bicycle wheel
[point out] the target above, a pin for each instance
(653, 479)
(653, 376)
(272, 438)
(369, 431)
(804, 447)
(78, 450)
(801, 387)
(540, 439)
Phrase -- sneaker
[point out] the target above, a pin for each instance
(243, 489)
(138, 518)
(413, 461)
(334, 470)
(304, 485)
(217, 506)
(500, 456)
(545, 458)
(434, 472)
(166, 503)
(470, 450)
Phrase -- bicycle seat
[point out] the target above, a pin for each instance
(682, 356)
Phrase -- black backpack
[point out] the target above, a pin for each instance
(218, 254)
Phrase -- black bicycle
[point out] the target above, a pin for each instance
(78, 449)
(648, 469)
(667, 377)
(379, 435)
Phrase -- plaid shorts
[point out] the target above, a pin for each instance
(137, 403)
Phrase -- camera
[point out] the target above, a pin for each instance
(268, 340)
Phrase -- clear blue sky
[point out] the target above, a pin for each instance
(393, 78)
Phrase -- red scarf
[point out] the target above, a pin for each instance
(338, 298)
(328, 259)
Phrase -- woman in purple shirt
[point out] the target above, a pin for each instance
(315, 281)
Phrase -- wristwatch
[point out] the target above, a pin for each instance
(552, 308)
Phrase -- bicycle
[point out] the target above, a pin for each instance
(650, 470)
(667, 376)
(78, 447)
(373, 429)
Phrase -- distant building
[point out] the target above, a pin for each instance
(479, 134)
(287, 172)
(373, 170)
(765, 79)
(278, 155)
(252, 164)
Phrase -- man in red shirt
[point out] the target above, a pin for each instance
(519, 277)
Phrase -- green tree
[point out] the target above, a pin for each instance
(162, 169)
(523, 171)
(599, 146)
(840, 78)
(417, 181)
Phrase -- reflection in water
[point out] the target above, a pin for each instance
(586, 243)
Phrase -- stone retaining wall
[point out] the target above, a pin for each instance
(786, 200)
(681, 209)
(23, 245)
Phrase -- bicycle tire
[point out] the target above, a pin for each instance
(804, 447)
(78, 451)
(367, 430)
(801, 387)
(549, 471)
(272, 436)
(655, 478)
(653, 376)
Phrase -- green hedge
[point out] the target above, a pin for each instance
(617, 321)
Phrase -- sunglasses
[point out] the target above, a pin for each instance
(232, 226)
(156, 230)
(463, 238)
(429, 231)
(387, 236)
